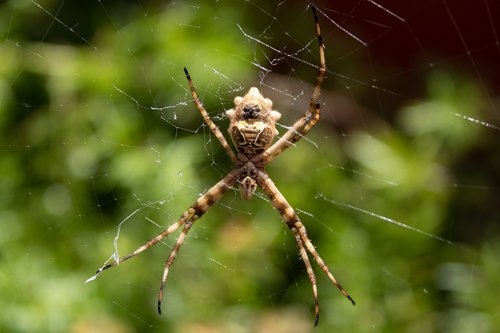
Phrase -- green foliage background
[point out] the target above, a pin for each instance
(97, 127)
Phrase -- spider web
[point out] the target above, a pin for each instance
(102, 148)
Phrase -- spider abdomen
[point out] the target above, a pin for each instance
(251, 138)
(252, 123)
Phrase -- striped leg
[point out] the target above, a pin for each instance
(293, 222)
(187, 218)
(311, 116)
(218, 134)
(199, 208)
(310, 272)
(171, 258)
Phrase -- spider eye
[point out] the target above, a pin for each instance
(251, 111)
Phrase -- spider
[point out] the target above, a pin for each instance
(252, 130)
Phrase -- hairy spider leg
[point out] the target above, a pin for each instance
(184, 217)
(311, 116)
(194, 212)
(293, 222)
(171, 257)
(218, 134)
(199, 208)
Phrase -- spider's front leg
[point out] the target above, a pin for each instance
(199, 208)
(187, 219)
(295, 225)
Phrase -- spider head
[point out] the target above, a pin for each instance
(248, 186)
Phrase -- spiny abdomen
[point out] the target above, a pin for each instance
(251, 138)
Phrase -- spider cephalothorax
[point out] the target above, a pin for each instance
(247, 179)
(252, 126)
(252, 123)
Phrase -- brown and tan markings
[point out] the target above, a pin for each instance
(252, 129)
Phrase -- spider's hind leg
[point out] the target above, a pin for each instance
(218, 134)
